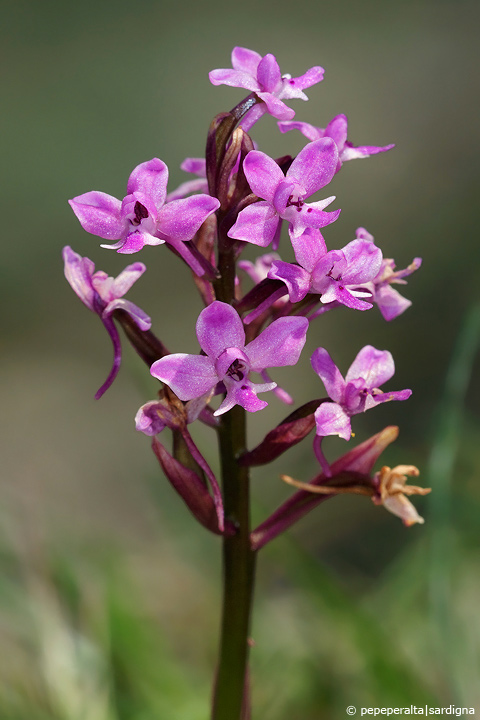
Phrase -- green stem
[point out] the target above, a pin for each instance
(238, 575)
(231, 700)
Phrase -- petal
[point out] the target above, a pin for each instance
(279, 344)
(390, 302)
(364, 260)
(350, 152)
(380, 397)
(99, 214)
(147, 419)
(257, 224)
(234, 78)
(150, 178)
(268, 73)
(331, 419)
(189, 376)
(180, 219)
(219, 327)
(310, 215)
(374, 366)
(362, 234)
(315, 165)
(134, 242)
(402, 507)
(263, 174)
(139, 317)
(78, 272)
(295, 278)
(276, 107)
(337, 129)
(311, 132)
(123, 282)
(345, 296)
(244, 394)
(309, 248)
(329, 374)
(283, 194)
(245, 60)
(117, 356)
(197, 166)
(313, 76)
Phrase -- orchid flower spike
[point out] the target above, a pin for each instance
(262, 76)
(143, 217)
(228, 360)
(103, 295)
(358, 392)
(283, 196)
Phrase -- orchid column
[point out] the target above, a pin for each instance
(242, 196)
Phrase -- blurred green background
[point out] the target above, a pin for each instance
(109, 592)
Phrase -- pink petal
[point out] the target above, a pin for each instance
(329, 374)
(219, 327)
(337, 130)
(263, 174)
(245, 60)
(374, 366)
(189, 376)
(311, 132)
(234, 78)
(268, 73)
(315, 165)
(390, 302)
(295, 278)
(280, 344)
(140, 318)
(180, 219)
(150, 178)
(276, 107)
(99, 214)
(257, 224)
(331, 419)
(364, 260)
(309, 248)
(123, 282)
(79, 272)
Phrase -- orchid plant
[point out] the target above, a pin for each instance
(240, 197)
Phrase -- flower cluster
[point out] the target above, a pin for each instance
(242, 197)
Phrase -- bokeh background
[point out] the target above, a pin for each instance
(109, 592)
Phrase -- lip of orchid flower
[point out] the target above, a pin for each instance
(337, 130)
(103, 295)
(228, 360)
(143, 217)
(283, 196)
(262, 76)
(358, 392)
